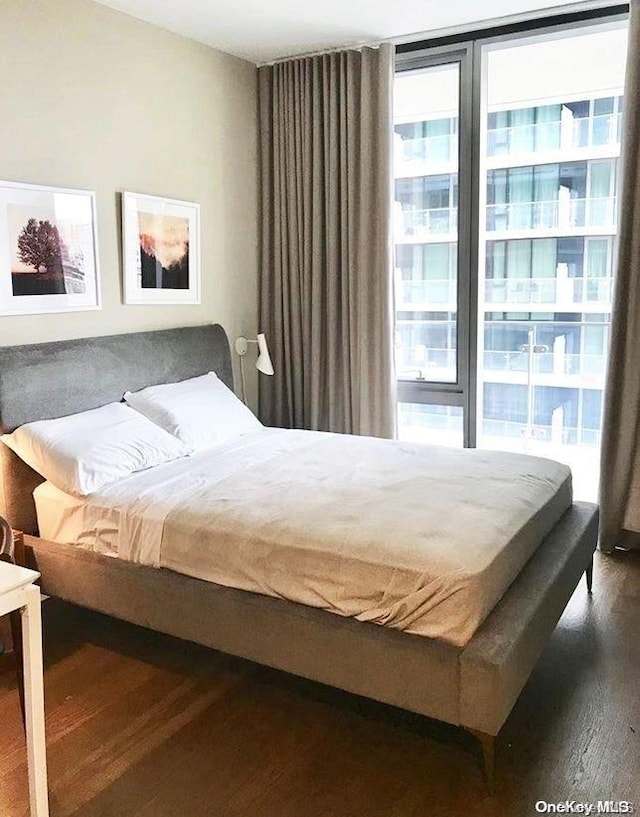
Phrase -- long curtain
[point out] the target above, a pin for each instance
(326, 302)
(620, 466)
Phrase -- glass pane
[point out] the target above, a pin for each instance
(426, 105)
(598, 269)
(438, 425)
(548, 127)
(548, 244)
(544, 257)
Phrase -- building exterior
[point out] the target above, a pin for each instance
(547, 246)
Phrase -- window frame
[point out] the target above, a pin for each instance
(467, 50)
(452, 393)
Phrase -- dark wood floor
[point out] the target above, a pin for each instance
(141, 725)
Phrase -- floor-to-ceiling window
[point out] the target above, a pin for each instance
(506, 165)
(427, 149)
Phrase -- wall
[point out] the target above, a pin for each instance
(94, 99)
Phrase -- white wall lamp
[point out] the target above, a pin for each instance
(263, 363)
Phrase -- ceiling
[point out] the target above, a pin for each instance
(263, 30)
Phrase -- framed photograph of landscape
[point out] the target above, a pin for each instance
(48, 250)
(161, 249)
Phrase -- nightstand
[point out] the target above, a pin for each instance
(18, 592)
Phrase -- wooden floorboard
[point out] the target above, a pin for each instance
(143, 725)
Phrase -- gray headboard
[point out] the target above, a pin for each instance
(48, 380)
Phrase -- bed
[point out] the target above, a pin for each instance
(458, 651)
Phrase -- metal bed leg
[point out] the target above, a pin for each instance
(488, 746)
(589, 576)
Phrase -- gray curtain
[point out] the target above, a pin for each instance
(620, 466)
(326, 255)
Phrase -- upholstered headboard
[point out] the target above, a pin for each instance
(48, 380)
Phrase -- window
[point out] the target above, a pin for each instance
(426, 228)
(541, 375)
(507, 156)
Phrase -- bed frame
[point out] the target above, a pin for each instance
(474, 687)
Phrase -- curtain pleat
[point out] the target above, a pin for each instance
(620, 463)
(326, 253)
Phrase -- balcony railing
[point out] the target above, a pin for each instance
(428, 150)
(596, 131)
(569, 134)
(438, 291)
(592, 290)
(434, 363)
(523, 139)
(568, 435)
(550, 359)
(412, 422)
(520, 290)
(557, 291)
(552, 214)
(551, 364)
(545, 363)
(426, 223)
(512, 217)
(579, 132)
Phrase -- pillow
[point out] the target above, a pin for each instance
(201, 412)
(83, 452)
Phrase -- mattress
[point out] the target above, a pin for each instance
(421, 538)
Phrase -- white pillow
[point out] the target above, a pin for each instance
(201, 412)
(83, 452)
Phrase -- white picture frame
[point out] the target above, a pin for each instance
(49, 259)
(161, 250)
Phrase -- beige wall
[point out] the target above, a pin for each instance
(93, 99)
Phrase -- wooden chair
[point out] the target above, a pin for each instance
(8, 554)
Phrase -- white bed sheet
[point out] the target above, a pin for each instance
(421, 538)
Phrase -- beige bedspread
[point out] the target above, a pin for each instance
(421, 538)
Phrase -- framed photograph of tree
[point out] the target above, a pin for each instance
(161, 249)
(48, 250)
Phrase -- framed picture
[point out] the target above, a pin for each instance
(161, 247)
(48, 250)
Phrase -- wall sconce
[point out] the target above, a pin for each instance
(263, 362)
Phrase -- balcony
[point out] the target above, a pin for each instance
(554, 216)
(503, 294)
(501, 431)
(562, 368)
(520, 291)
(437, 293)
(551, 364)
(423, 154)
(552, 368)
(559, 214)
(587, 133)
(563, 293)
(593, 291)
(596, 131)
(566, 135)
(439, 224)
(432, 365)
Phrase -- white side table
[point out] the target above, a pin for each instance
(18, 592)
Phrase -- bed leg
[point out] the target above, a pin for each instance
(589, 575)
(488, 746)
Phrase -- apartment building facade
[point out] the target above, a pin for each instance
(547, 244)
